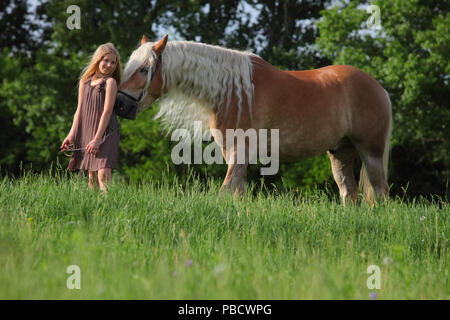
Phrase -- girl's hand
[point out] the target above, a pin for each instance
(93, 147)
(66, 143)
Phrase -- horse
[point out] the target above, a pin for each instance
(339, 109)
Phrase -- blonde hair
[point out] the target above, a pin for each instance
(92, 67)
(198, 80)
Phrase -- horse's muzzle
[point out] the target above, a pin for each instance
(126, 106)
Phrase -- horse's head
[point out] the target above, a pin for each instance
(142, 80)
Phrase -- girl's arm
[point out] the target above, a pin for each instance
(110, 98)
(76, 119)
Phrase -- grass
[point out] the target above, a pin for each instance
(161, 241)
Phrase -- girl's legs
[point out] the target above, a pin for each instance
(104, 177)
(93, 181)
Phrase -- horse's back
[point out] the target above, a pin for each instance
(317, 107)
(334, 75)
(354, 88)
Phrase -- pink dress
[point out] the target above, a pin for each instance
(92, 105)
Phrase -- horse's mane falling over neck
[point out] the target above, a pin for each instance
(198, 79)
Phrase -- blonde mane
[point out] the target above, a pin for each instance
(198, 80)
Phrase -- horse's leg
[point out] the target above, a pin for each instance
(371, 134)
(374, 157)
(236, 178)
(342, 165)
(373, 168)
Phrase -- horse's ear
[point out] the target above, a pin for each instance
(144, 39)
(160, 45)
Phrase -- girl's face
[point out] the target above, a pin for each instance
(108, 64)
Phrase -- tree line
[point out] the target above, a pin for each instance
(409, 54)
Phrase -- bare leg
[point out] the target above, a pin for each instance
(104, 177)
(342, 166)
(93, 181)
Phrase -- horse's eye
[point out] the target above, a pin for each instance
(144, 70)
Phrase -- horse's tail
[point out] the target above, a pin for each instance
(364, 182)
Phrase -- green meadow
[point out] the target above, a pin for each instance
(182, 241)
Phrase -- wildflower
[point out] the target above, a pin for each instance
(422, 218)
(29, 220)
(387, 260)
(373, 296)
(188, 263)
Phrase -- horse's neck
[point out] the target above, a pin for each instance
(211, 79)
(180, 110)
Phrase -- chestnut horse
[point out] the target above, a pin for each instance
(337, 109)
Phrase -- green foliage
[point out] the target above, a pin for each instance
(42, 98)
(289, 32)
(17, 28)
(307, 174)
(10, 140)
(145, 149)
(202, 20)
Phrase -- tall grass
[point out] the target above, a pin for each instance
(173, 241)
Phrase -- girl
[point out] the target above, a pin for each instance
(95, 130)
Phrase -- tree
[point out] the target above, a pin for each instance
(17, 54)
(17, 27)
(288, 31)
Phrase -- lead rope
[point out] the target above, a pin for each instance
(84, 148)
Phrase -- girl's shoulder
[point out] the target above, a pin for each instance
(110, 81)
